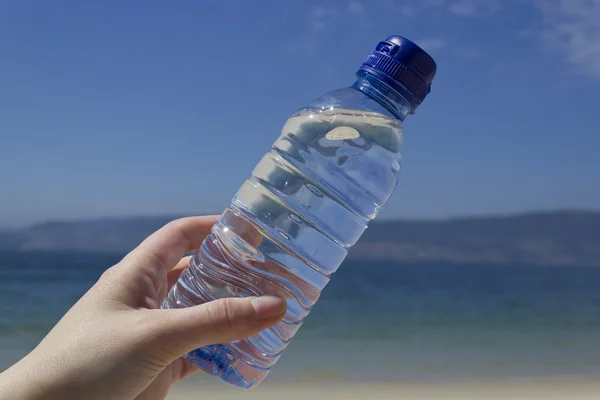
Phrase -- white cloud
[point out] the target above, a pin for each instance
(464, 8)
(317, 26)
(322, 12)
(431, 44)
(356, 7)
(468, 52)
(433, 3)
(319, 20)
(407, 11)
(569, 28)
(476, 8)
(573, 28)
(306, 45)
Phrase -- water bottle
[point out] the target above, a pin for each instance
(307, 202)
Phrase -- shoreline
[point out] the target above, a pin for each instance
(549, 388)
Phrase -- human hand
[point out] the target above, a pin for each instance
(115, 342)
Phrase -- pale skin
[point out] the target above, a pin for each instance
(116, 342)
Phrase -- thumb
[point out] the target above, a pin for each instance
(185, 329)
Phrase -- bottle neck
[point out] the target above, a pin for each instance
(384, 94)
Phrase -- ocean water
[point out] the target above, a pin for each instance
(385, 320)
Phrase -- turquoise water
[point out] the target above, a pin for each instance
(375, 320)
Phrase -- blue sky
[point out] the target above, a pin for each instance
(141, 107)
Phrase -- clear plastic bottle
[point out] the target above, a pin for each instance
(309, 199)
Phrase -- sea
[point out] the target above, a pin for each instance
(375, 321)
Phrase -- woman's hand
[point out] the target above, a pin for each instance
(115, 343)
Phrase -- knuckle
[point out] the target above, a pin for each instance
(175, 225)
(179, 226)
(225, 310)
(110, 273)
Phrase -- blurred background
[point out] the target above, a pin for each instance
(481, 271)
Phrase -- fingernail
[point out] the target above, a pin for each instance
(268, 306)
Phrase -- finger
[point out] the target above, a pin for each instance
(182, 368)
(174, 273)
(186, 368)
(179, 331)
(165, 247)
(159, 388)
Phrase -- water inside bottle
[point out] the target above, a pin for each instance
(290, 226)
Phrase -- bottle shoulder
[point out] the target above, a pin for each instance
(349, 98)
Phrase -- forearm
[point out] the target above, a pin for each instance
(25, 382)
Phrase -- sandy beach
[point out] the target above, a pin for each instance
(542, 389)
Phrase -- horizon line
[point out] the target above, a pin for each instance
(172, 216)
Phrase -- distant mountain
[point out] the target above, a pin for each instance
(99, 235)
(551, 238)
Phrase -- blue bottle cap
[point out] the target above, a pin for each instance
(404, 66)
